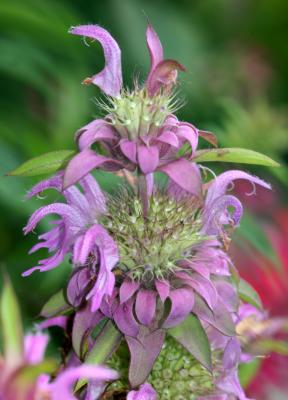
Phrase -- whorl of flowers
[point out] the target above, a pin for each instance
(149, 264)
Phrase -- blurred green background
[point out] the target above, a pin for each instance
(236, 85)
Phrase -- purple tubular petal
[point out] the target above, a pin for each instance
(110, 78)
(125, 319)
(145, 392)
(129, 149)
(229, 383)
(77, 200)
(169, 138)
(94, 195)
(232, 354)
(154, 47)
(163, 288)
(164, 74)
(48, 263)
(109, 257)
(109, 304)
(182, 304)
(66, 212)
(83, 163)
(60, 321)
(127, 289)
(189, 133)
(220, 184)
(61, 388)
(86, 243)
(77, 286)
(216, 214)
(145, 306)
(52, 183)
(34, 347)
(148, 158)
(95, 131)
(185, 174)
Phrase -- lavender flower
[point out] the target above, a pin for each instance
(77, 232)
(139, 129)
(22, 383)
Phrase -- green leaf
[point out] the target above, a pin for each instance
(266, 346)
(252, 231)
(248, 294)
(56, 305)
(192, 336)
(248, 371)
(11, 325)
(30, 373)
(234, 155)
(47, 163)
(105, 344)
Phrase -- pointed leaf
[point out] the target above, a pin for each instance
(47, 163)
(234, 155)
(248, 294)
(56, 305)
(105, 344)
(248, 371)
(266, 346)
(143, 350)
(84, 322)
(192, 336)
(11, 325)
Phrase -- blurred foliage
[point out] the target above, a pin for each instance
(236, 56)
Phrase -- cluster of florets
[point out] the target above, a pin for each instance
(151, 291)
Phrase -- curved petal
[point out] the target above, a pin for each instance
(94, 195)
(108, 253)
(169, 137)
(61, 388)
(202, 286)
(34, 347)
(52, 183)
(145, 306)
(219, 185)
(60, 321)
(182, 301)
(125, 320)
(83, 163)
(110, 78)
(185, 174)
(188, 133)
(145, 392)
(78, 286)
(127, 289)
(163, 289)
(217, 214)
(129, 149)
(95, 131)
(154, 47)
(163, 75)
(65, 211)
(148, 157)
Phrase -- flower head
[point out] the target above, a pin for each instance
(139, 129)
